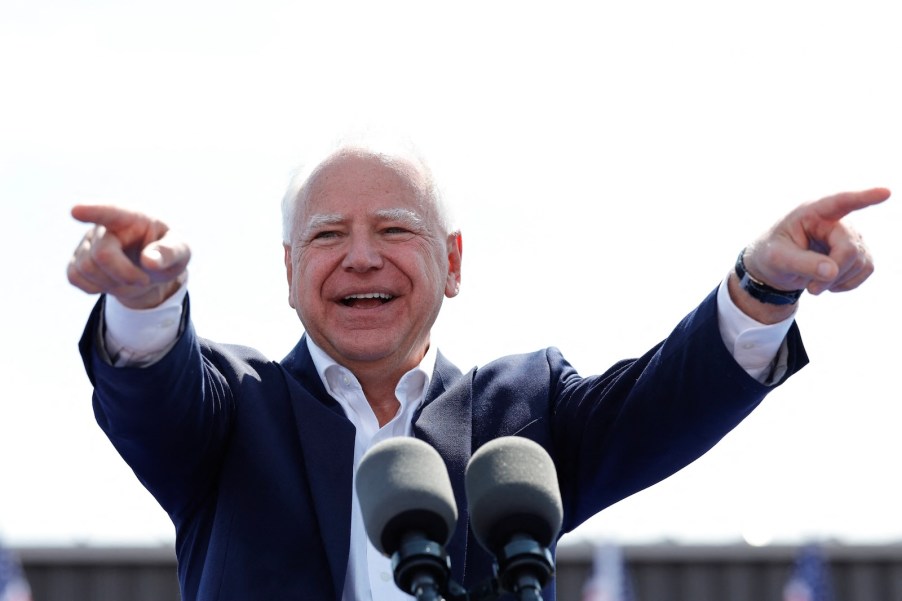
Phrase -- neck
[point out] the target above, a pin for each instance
(380, 384)
(379, 380)
(384, 403)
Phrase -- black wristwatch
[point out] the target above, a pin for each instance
(761, 291)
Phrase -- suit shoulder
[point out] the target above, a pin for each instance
(542, 360)
(235, 358)
(523, 376)
(515, 395)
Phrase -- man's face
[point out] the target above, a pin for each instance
(369, 266)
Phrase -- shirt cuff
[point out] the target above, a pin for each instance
(758, 348)
(141, 337)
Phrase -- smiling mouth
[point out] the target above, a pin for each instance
(368, 300)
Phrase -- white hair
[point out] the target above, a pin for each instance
(390, 151)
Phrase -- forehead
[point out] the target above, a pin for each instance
(354, 180)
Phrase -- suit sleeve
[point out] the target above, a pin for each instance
(169, 421)
(645, 419)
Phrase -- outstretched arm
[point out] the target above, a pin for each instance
(810, 249)
(128, 255)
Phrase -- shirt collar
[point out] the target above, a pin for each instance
(411, 388)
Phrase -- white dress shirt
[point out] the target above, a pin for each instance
(369, 574)
(141, 337)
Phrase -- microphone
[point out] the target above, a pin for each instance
(515, 511)
(409, 512)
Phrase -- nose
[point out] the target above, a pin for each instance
(362, 254)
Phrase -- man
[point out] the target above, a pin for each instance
(254, 460)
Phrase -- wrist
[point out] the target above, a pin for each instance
(765, 313)
(761, 291)
(153, 296)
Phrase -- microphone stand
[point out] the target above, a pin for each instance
(525, 567)
(422, 568)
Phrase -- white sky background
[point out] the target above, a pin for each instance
(607, 163)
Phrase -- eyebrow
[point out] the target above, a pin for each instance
(407, 216)
(323, 219)
(403, 215)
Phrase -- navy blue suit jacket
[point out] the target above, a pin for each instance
(252, 459)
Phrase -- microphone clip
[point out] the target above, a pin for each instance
(421, 567)
(524, 567)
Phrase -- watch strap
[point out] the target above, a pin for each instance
(761, 291)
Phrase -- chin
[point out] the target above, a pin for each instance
(355, 351)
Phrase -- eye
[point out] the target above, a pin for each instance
(324, 237)
(397, 232)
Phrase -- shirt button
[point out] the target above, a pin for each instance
(385, 576)
(748, 346)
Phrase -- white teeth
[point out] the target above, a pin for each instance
(370, 295)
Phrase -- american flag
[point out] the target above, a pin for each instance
(13, 586)
(810, 580)
(609, 580)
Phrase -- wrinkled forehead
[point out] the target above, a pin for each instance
(367, 171)
(352, 171)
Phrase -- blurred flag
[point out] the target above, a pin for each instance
(609, 580)
(810, 580)
(13, 586)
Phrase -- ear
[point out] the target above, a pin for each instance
(289, 272)
(455, 256)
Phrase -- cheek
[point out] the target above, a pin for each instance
(300, 286)
(297, 284)
(433, 264)
(307, 285)
(440, 265)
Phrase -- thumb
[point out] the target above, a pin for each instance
(815, 265)
(166, 258)
(817, 271)
(788, 267)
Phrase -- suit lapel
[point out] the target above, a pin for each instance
(445, 422)
(327, 439)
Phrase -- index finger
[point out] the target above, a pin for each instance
(112, 217)
(836, 207)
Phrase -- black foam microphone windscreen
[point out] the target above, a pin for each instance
(512, 490)
(404, 488)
